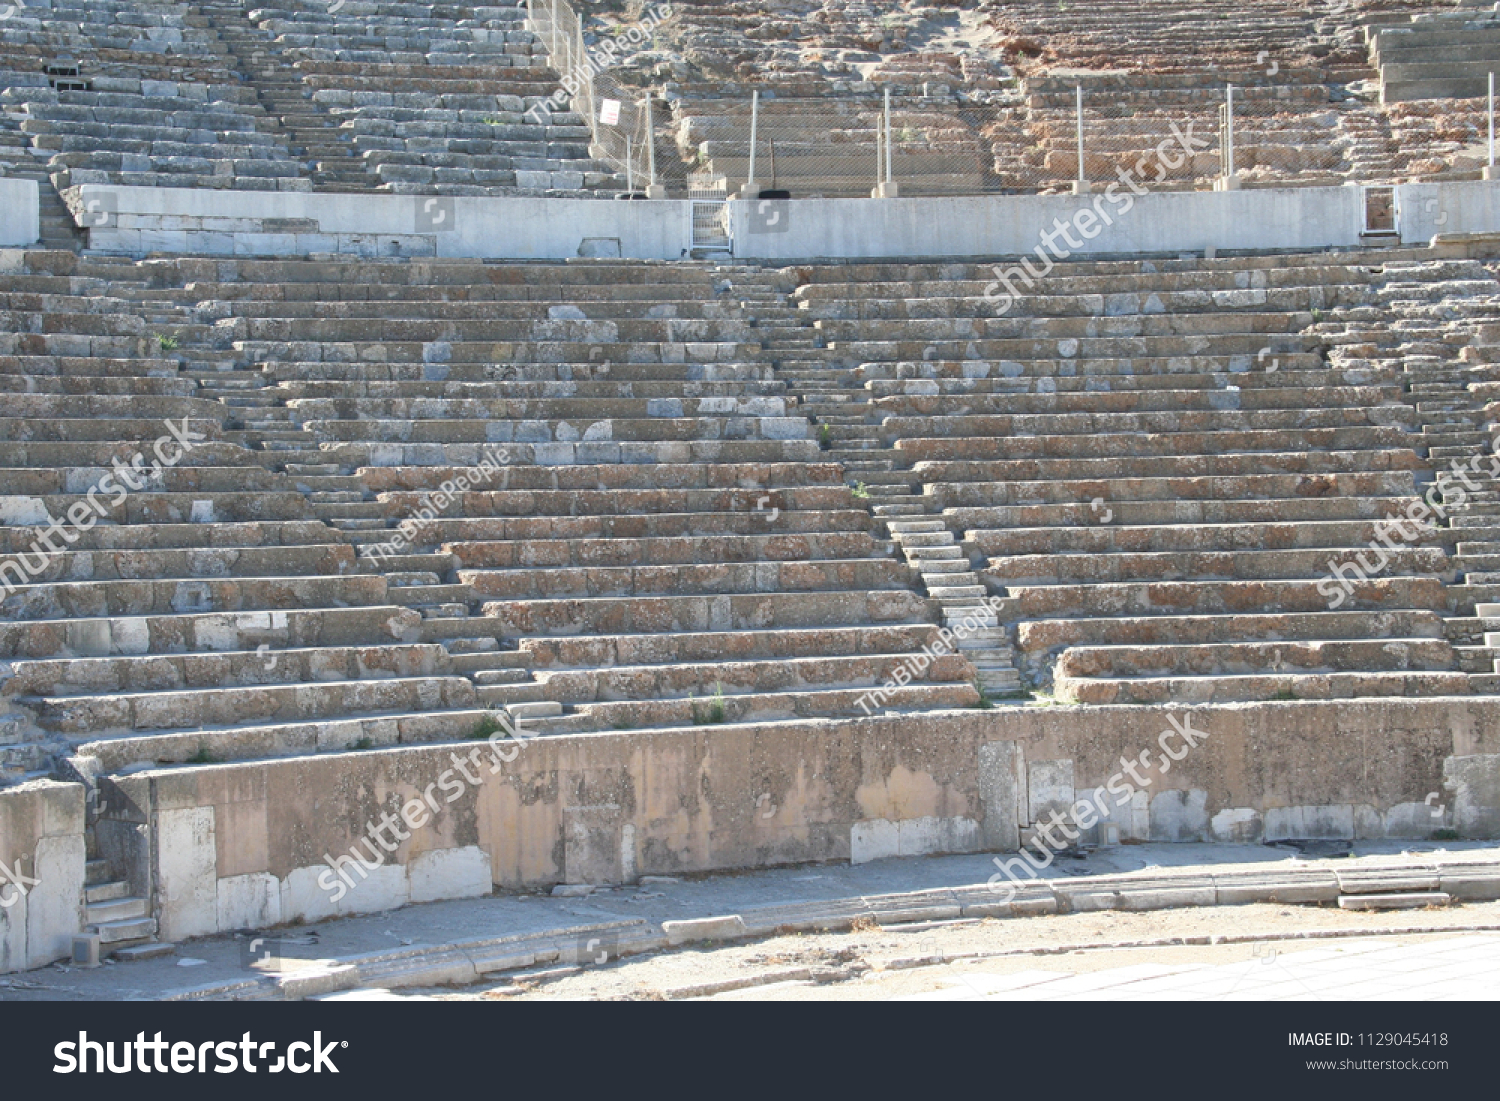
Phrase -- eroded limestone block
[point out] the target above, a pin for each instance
(187, 863)
(449, 873)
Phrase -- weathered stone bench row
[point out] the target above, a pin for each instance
(727, 612)
(1209, 565)
(1062, 441)
(1218, 397)
(185, 632)
(195, 562)
(229, 705)
(560, 431)
(1271, 374)
(536, 529)
(728, 578)
(615, 476)
(571, 453)
(148, 597)
(235, 668)
(440, 357)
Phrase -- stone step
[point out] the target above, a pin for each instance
(530, 710)
(949, 572)
(462, 648)
(105, 892)
(1396, 900)
(501, 676)
(115, 910)
(443, 611)
(474, 664)
(936, 557)
(956, 592)
(503, 695)
(124, 931)
(139, 952)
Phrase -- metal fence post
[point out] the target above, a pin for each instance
(750, 186)
(652, 189)
(1229, 123)
(1082, 179)
(1082, 186)
(890, 147)
(1492, 123)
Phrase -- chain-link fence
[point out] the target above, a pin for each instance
(621, 119)
(1058, 135)
(1262, 127)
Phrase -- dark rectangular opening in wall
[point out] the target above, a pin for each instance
(65, 76)
(1379, 212)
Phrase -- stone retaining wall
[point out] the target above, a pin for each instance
(246, 845)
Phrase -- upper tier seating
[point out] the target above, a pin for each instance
(136, 94)
(437, 99)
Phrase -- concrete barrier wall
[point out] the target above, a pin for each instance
(41, 839)
(20, 213)
(1011, 225)
(275, 223)
(145, 219)
(1470, 206)
(249, 845)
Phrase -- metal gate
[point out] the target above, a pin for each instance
(711, 226)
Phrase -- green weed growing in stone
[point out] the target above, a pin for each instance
(715, 712)
(486, 726)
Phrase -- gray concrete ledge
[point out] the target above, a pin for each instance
(1473, 876)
